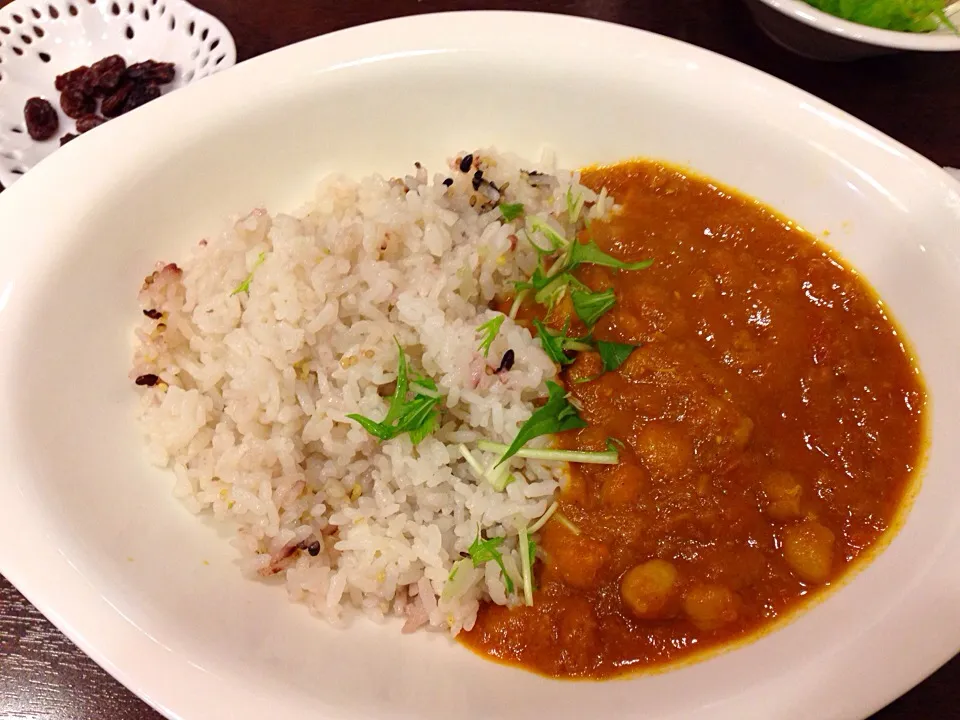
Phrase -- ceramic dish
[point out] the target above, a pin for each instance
(91, 534)
(40, 40)
(810, 32)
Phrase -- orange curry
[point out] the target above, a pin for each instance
(771, 421)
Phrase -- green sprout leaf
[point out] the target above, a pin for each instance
(590, 254)
(588, 457)
(591, 306)
(244, 287)
(574, 205)
(489, 331)
(417, 416)
(555, 416)
(541, 226)
(556, 345)
(527, 550)
(614, 354)
(484, 551)
(511, 211)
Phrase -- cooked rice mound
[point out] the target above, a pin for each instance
(253, 350)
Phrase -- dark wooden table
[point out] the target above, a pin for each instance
(914, 98)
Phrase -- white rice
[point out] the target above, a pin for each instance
(251, 412)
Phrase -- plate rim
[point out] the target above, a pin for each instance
(68, 164)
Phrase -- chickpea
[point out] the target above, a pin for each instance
(577, 558)
(666, 449)
(742, 432)
(585, 366)
(711, 606)
(650, 589)
(623, 483)
(592, 439)
(782, 495)
(640, 363)
(808, 549)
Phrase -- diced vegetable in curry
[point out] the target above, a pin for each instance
(767, 419)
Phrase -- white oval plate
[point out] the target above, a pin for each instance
(92, 536)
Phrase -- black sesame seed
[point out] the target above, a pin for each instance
(417, 165)
(153, 314)
(466, 163)
(149, 380)
(477, 179)
(314, 548)
(506, 363)
(448, 182)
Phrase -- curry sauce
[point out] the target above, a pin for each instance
(771, 419)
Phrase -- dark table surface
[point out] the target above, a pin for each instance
(913, 97)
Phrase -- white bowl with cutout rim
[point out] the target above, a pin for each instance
(807, 31)
(91, 534)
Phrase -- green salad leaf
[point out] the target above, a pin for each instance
(898, 15)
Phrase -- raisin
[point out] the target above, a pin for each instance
(104, 75)
(112, 105)
(41, 118)
(75, 103)
(141, 94)
(72, 78)
(89, 122)
(152, 71)
(67, 138)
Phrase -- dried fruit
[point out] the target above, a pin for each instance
(41, 118)
(75, 103)
(152, 71)
(104, 75)
(109, 83)
(112, 105)
(89, 122)
(72, 78)
(141, 94)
